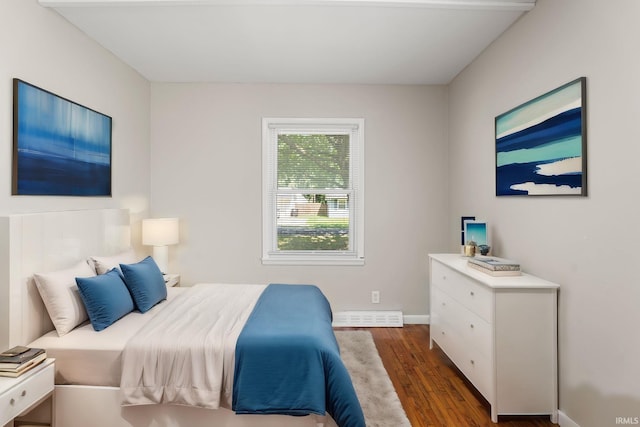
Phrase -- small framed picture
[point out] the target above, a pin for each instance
(476, 231)
(464, 219)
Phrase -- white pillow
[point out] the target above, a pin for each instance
(62, 298)
(103, 264)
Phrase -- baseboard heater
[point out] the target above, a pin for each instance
(373, 319)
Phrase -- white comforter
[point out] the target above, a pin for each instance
(185, 354)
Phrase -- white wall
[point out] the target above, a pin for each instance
(206, 169)
(588, 245)
(42, 48)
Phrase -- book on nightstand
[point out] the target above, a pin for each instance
(14, 365)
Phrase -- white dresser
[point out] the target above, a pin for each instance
(501, 332)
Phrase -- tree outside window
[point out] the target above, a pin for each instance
(312, 183)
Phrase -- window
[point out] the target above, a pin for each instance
(313, 191)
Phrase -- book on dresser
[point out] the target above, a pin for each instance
(495, 266)
(495, 273)
(14, 365)
(495, 263)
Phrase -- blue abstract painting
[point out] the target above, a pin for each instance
(59, 147)
(541, 145)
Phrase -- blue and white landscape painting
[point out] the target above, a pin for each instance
(61, 148)
(540, 145)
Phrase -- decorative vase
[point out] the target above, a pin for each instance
(484, 249)
(469, 250)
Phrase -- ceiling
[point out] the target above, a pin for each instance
(294, 41)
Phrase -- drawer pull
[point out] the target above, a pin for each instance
(473, 362)
(24, 393)
(471, 293)
(471, 325)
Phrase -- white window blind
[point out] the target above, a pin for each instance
(313, 191)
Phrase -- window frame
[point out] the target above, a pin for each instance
(270, 129)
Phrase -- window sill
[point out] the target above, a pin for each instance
(288, 260)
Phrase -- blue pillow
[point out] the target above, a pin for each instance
(105, 297)
(145, 282)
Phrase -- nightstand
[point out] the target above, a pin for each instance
(172, 280)
(20, 395)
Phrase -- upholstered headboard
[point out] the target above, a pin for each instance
(43, 242)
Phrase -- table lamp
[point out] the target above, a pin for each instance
(160, 233)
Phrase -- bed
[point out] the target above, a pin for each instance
(88, 369)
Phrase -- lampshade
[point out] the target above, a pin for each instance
(160, 231)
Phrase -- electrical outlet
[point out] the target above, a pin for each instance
(375, 297)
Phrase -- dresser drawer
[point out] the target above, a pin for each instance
(449, 311)
(478, 370)
(15, 400)
(442, 307)
(440, 329)
(473, 364)
(471, 328)
(473, 295)
(478, 333)
(448, 341)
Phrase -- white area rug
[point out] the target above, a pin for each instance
(378, 398)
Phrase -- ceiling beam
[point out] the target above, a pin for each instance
(513, 5)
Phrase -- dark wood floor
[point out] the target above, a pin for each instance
(432, 390)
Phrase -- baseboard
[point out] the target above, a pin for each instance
(416, 319)
(565, 421)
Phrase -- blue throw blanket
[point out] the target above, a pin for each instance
(288, 361)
